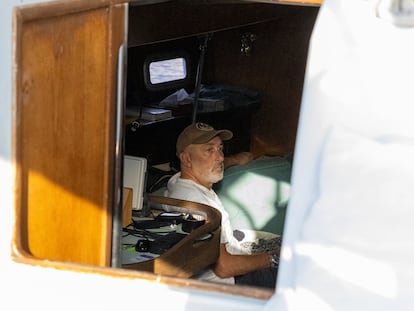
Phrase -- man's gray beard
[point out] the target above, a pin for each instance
(216, 180)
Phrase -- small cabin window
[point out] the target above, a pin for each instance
(166, 71)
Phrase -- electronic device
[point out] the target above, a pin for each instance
(135, 169)
(165, 242)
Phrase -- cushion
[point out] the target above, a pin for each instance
(256, 195)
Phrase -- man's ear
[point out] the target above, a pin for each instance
(185, 159)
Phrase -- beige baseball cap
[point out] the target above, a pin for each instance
(199, 133)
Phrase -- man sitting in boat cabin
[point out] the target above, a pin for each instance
(200, 150)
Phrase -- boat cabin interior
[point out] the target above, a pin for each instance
(246, 64)
(100, 82)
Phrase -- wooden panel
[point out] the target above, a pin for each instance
(296, 2)
(275, 68)
(65, 136)
(178, 18)
(127, 206)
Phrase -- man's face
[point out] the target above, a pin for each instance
(206, 161)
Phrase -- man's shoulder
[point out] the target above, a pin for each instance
(186, 189)
(181, 188)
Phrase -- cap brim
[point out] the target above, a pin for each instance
(223, 134)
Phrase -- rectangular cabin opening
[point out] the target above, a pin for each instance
(253, 58)
(238, 66)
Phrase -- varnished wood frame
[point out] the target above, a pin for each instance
(19, 255)
(295, 2)
(102, 210)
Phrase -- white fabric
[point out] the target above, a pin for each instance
(357, 237)
(347, 239)
(186, 189)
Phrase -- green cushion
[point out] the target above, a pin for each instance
(256, 195)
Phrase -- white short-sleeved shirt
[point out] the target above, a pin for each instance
(186, 189)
